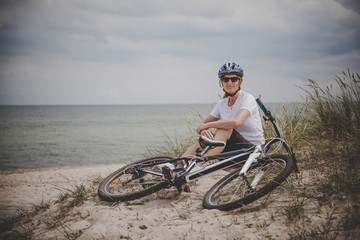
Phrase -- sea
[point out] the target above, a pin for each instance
(34, 137)
(55, 136)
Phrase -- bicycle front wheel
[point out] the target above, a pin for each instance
(234, 191)
(135, 180)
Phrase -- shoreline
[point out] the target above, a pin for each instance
(24, 170)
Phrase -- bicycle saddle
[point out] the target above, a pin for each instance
(204, 141)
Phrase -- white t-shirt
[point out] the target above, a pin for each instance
(251, 129)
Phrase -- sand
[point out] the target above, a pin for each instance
(164, 215)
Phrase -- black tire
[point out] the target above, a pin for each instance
(129, 182)
(232, 191)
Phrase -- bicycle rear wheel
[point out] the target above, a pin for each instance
(134, 181)
(234, 191)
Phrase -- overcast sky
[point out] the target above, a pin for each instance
(148, 51)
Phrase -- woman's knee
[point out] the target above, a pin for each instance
(223, 134)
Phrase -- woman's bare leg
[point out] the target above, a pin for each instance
(220, 135)
(191, 151)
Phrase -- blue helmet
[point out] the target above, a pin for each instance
(230, 68)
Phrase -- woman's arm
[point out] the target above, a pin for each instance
(230, 123)
(204, 132)
(209, 118)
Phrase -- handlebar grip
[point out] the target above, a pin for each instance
(263, 108)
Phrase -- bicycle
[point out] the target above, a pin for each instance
(255, 173)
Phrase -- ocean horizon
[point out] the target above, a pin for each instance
(46, 136)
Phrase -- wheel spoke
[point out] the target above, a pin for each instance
(134, 181)
(235, 190)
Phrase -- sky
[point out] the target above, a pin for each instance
(165, 52)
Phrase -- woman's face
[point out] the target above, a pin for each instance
(231, 83)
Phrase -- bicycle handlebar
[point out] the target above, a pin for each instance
(269, 116)
(263, 108)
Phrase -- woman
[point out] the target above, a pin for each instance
(235, 118)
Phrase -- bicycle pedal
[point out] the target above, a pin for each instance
(168, 173)
(187, 189)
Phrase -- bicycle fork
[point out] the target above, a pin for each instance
(253, 158)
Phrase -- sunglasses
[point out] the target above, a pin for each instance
(233, 79)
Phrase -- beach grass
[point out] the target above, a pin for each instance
(175, 144)
(328, 133)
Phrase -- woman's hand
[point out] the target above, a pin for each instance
(201, 127)
(203, 131)
(207, 133)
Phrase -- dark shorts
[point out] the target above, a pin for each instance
(236, 142)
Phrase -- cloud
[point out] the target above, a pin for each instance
(108, 52)
(353, 5)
